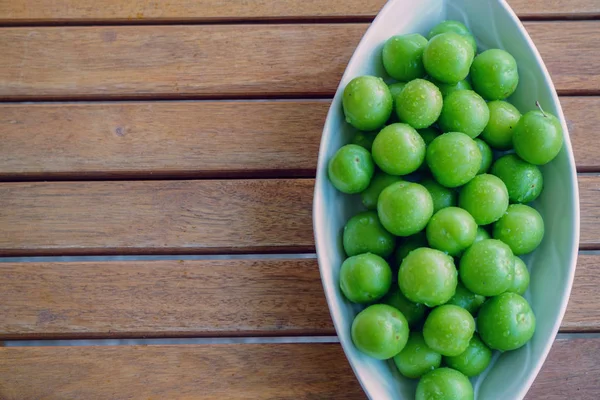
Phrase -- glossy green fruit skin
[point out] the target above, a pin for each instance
(448, 330)
(521, 279)
(451, 230)
(419, 104)
(351, 168)
(428, 134)
(417, 359)
(413, 312)
(486, 156)
(521, 228)
(506, 322)
(395, 89)
(466, 299)
(365, 278)
(364, 139)
(487, 268)
(364, 233)
(524, 181)
(453, 158)
(380, 181)
(442, 196)
(380, 331)
(444, 384)
(464, 111)
(409, 244)
(504, 117)
(398, 149)
(427, 276)
(447, 88)
(538, 137)
(404, 208)
(474, 360)
(456, 27)
(485, 198)
(367, 103)
(402, 56)
(494, 74)
(448, 57)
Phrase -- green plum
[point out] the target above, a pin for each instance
(409, 244)
(413, 312)
(520, 281)
(427, 276)
(494, 74)
(464, 111)
(398, 149)
(444, 384)
(449, 88)
(380, 181)
(448, 57)
(451, 230)
(365, 278)
(395, 89)
(417, 359)
(466, 299)
(428, 134)
(538, 137)
(485, 198)
(402, 56)
(456, 27)
(364, 139)
(380, 331)
(506, 322)
(448, 330)
(351, 168)
(419, 104)
(486, 156)
(364, 233)
(487, 268)
(453, 158)
(524, 181)
(521, 228)
(367, 103)
(404, 208)
(474, 360)
(504, 117)
(442, 196)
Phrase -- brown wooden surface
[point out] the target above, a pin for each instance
(273, 371)
(224, 60)
(179, 139)
(140, 11)
(589, 200)
(196, 298)
(209, 216)
(163, 299)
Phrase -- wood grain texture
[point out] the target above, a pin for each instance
(197, 298)
(195, 139)
(140, 11)
(163, 299)
(276, 371)
(166, 217)
(224, 61)
(181, 217)
(589, 200)
(161, 139)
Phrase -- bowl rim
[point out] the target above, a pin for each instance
(322, 163)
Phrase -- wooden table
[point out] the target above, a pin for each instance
(99, 156)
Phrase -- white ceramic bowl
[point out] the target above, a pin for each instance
(552, 265)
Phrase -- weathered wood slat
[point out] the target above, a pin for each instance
(273, 371)
(181, 217)
(195, 139)
(196, 298)
(140, 11)
(224, 61)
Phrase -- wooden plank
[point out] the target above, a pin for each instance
(181, 217)
(589, 200)
(166, 217)
(195, 139)
(224, 61)
(268, 371)
(161, 139)
(162, 299)
(196, 298)
(141, 11)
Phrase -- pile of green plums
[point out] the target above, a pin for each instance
(445, 167)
